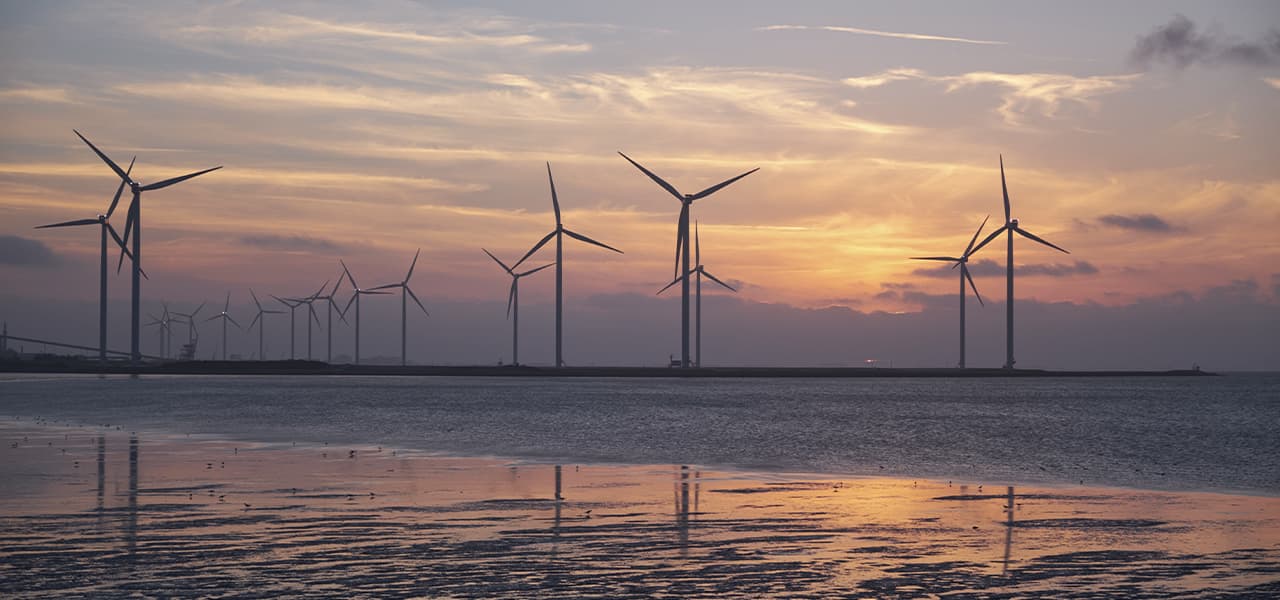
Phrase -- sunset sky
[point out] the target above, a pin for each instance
(1141, 136)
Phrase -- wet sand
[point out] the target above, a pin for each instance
(92, 511)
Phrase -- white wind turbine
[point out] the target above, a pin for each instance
(682, 242)
(355, 297)
(513, 304)
(133, 224)
(225, 316)
(962, 261)
(559, 232)
(106, 229)
(261, 321)
(1010, 227)
(699, 271)
(404, 316)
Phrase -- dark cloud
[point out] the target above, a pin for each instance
(893, 285)
(21, 251)
(1144, 222)
(990, 268)
(1179, 43)
(291, 243)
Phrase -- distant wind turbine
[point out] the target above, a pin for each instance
(225, 316)
(404, 316)
(682, 242)
(355, 297)
(134, 224)
(330, 304)
(559, 232)
(513, 303)
(962, 261)
(311, 311)
(165, 331)
(699, 271)
(193, 333)
(1010, 226)
(106, 228)
(293, 304)
(261, 321)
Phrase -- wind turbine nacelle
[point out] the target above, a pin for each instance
(1013, 222)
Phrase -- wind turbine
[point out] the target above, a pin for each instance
(225, 316)
(193, 333)
(164, 322)
(261, 320)
(962, 261)
(1010, 227)
(329, 305)
(355, 297)
(105, 225)
(292, 303)
(559, 232)
(513, 301)
(682, 242)
(404, 317)
(699, 271)
(134, 224)
(311, 310)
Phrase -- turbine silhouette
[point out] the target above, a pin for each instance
(261, 321)
(513, 303)
(106, 229)
(133, 225)
(962, 261)
(404, 315)
(225, 316)
(355, 297)
(558, 233)
(699, 271)
(1010, 227)
(682, 242)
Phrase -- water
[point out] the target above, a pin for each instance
(1201, 433)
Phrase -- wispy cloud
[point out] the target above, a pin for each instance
(1044, 93)
(53, 95)
(1273, 82)
(880, 33)
(291, 243)
(990, 268)
(1141, 222)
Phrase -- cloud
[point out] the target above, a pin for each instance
(25, 252)
(990, 268)
(291, 243)
(1273, 82)
(1021, 93)
(879, 33)
(48, 95)
(1142, 222)
(1180, 44)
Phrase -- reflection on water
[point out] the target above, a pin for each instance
(325, 521)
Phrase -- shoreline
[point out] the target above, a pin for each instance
(314, 368)
(160, 512)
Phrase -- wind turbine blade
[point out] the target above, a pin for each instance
(1033, 236)
(68, 223)
(312, 309)
(255, 299)
(372, 293)
(666, 186)
(697, 246)
(681, 226)
(233, 322)
(120, 190)
(227, 306)
(354, 295)
(555, 201)
(179, 179)
(532, 271)
(115, 236)
(415, 299)
(583, 238)
(256, 318)
(1004, 188)
(197, 310)
(944, 258)
(717, 187)
(511, 295)
(668, 286)
(713, 278)
(965, 271)
(342, 315)
(274, 312)
(283, 301)
(990, 236)
(411, 265)
(110, 163)
(348, 274)
(969, 248)
(217, 316)
(383, 287)
(495, 259)
(128, 222)
(535, 248)
(316, 295)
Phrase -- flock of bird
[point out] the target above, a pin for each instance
(686, 272)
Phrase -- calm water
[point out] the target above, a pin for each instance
(1161, 433)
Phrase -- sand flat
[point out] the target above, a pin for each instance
(101, 512)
